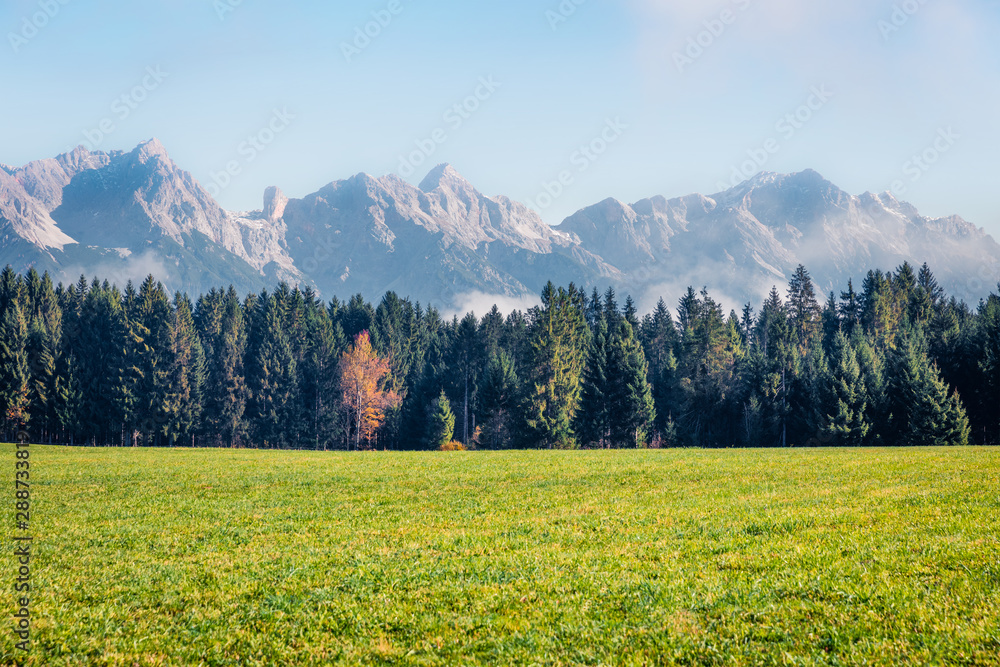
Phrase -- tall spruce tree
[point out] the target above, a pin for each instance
(441, 423)
(844, 399)
(500, 395)
(40, 349)
(224, 333)
(186, 381)
(707, 368)
(631, 409)
(850, 308)
(271, 379)
(15, 374)
(660, 343)
(921, 410)
(988, 378)
(593, 421)
(152, 315)
(558, 342)
(804, 312)
(323, 344)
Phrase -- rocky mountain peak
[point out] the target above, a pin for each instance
(275, 202)
(149, 150)
(444, 175)
(76, 156)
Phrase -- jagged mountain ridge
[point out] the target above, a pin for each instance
(435, 242)
(122, 214)
(751, 237)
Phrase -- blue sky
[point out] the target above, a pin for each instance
(627, 98)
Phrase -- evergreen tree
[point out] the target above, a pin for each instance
(988, 379)
(611, 312)
(806, 381)
(558, 344)
(831, 323)
(845, 398)
(467, 361)
(40, 350)
(499, 401)
(593, 423)
(631, 409)
(595, 308)
(224, 335)
(15, 375)
(687, 309)
(186, 381)
(873, 376)
(491, 334)
(152, 315)
(850, 308)
(879, 314)
(99, 361)
(431, 346)
(904, 286)
(11, 287)
(631, 313)
(355, 317)
(323, 344)
(660, 343)
(921, 410)
(391, 336)
(441, 426)
(747, 324)
(773, 329)
(803, 309)
(271, 379)
(707, 368)
(925, 299)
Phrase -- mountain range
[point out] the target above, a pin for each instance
(121, 215)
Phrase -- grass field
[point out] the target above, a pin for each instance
(832, 557)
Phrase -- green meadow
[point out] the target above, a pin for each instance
(688, 557)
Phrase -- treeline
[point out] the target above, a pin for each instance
(894, 363)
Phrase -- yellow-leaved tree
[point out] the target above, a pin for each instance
(364, 396)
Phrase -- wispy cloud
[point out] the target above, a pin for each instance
(481, 303)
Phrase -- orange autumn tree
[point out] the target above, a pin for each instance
(364, 398)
